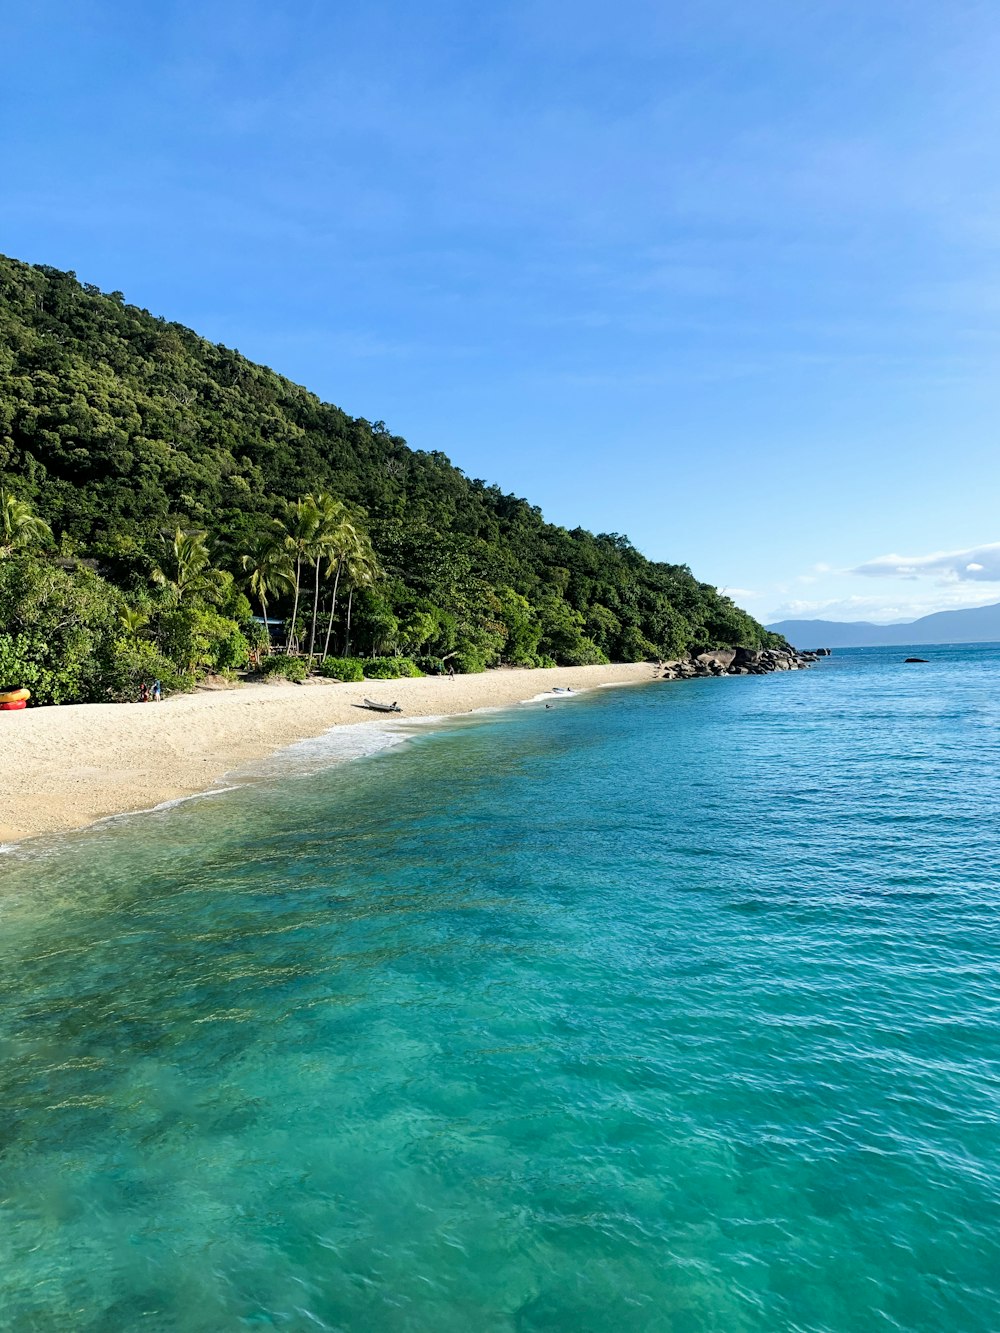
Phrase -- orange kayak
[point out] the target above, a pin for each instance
(14, 696)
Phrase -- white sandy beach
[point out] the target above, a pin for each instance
(64, 768)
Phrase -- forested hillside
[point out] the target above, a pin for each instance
(123, 432)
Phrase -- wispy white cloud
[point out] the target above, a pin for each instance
(977, 564)
(881, 610)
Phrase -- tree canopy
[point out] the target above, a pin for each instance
(157, 456)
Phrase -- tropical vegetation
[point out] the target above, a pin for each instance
(163, 501)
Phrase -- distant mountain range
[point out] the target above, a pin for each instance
(980, 624)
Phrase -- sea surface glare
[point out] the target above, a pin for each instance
(671, 1009)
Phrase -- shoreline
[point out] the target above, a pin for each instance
(71, 766)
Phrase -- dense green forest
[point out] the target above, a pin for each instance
(159, 489)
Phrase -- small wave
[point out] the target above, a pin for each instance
(162, 805)
(547, 696)
(338, 745)
(182, 800)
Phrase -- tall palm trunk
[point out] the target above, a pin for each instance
(347, 632)
(292, 640)
(333, 610)
(312, 631)
(267, 628)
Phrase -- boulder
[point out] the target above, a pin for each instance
(746, 657)
(717, 657)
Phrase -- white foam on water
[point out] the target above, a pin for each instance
(338, 745)
(156, 809)
(547, 695)
(195, 796)
(431, 720)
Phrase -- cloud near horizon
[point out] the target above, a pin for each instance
(977, 564)
(879, 609)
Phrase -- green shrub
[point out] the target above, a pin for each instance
(25, 664)
(56, 630)
(231, 651)
(201, 640)
(633, 646)
(583, 653)
(431, 666)
(389, 668)
(469, 662)
(563, 636)
(290, 668)
(133, 661)
(342, 668)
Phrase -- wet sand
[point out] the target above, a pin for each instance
(64, 768)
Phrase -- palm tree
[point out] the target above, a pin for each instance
(350, 539)
(268, 566)
(133, 619)
(191, 573)
(329, 538)
(361, 569)
(19, 527)
(344, 537)
(335, 568)
(300, 539)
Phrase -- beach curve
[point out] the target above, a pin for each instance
(68, 767)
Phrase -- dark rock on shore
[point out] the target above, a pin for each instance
(758, 662)
(739, 662)
(720, 657)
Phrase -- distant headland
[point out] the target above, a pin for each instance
(980, 624)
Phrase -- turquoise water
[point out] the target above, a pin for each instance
(669, 1008)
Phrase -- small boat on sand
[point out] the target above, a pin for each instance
(383, 708)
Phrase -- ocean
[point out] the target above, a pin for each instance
(668, 1009)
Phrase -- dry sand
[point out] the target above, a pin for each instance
(64, 768)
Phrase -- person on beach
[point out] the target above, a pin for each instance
(144, 693)
(157, 691)
(451, 672)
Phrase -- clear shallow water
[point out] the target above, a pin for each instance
(671, 1008)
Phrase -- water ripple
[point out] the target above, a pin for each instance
(675, 1011)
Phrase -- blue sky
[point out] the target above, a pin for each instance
(724, 277)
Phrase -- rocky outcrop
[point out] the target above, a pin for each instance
(719, 657)
(739, 662)
(758, 662)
